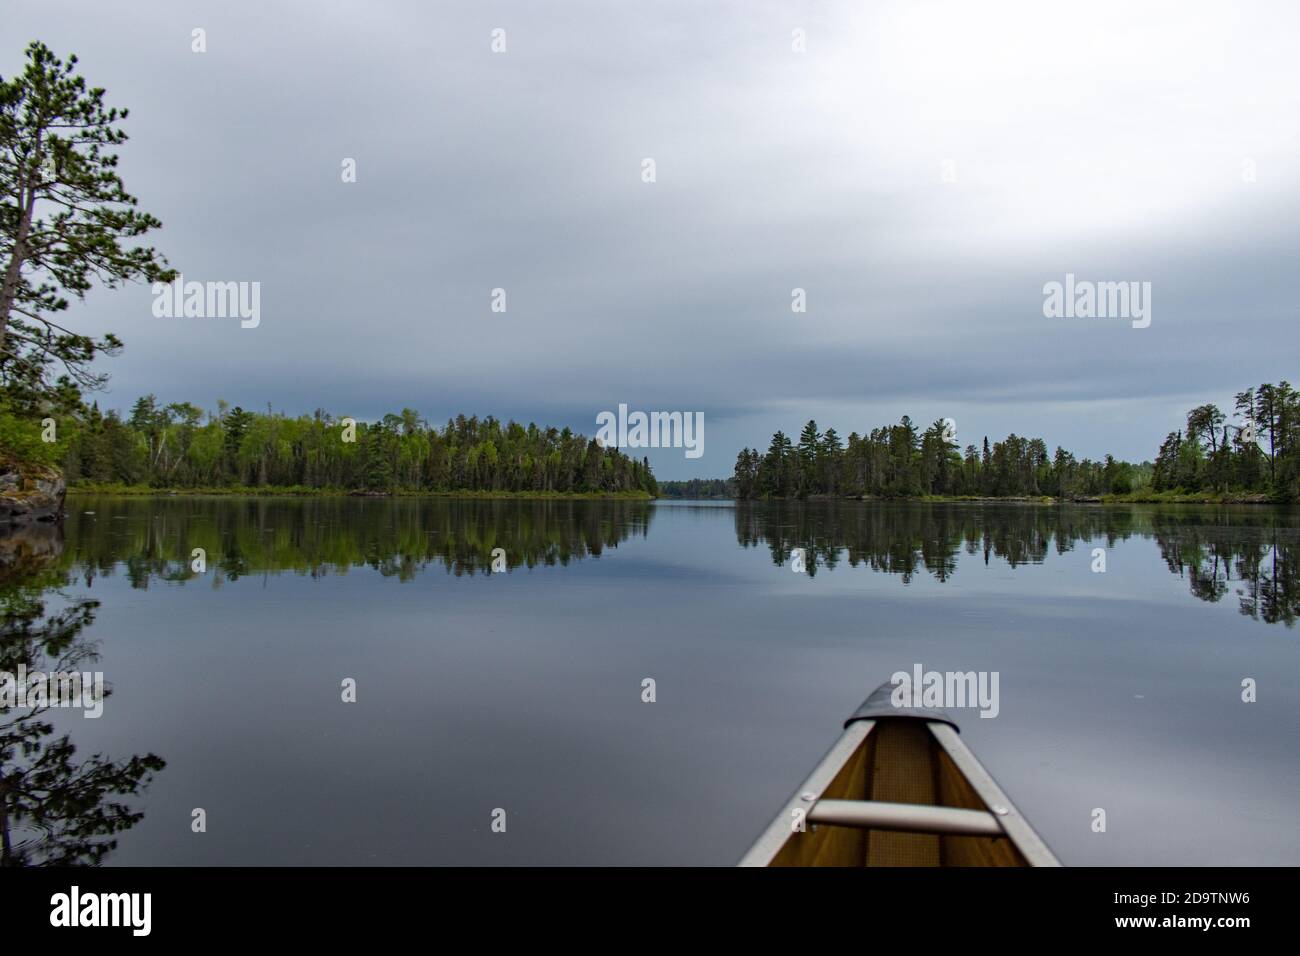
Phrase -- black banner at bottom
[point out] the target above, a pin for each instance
(334, 905)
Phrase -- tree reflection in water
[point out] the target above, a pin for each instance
(1253, 548)
(154, 539)
(54, 808)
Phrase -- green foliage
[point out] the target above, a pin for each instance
(1259, 452)
(20, 439)
(899, 461)
(172, 446)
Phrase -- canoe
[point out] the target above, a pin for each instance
(899, 788)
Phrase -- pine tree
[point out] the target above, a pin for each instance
(64, 220)
(809, 440)
(236, 424)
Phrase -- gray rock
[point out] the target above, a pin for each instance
(30, 493)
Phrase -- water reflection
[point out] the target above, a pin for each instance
(54, 808)
(459, 667)
(1249, 553)
(153, 539)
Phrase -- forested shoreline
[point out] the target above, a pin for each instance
(179, 446)
(1257, 455)
(1260, 451)
(901, 461)
(182, 448)
(699, 488)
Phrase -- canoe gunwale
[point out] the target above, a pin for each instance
(1013, 822)
(779, 831)
(919, 818)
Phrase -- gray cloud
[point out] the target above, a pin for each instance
(1104, 146)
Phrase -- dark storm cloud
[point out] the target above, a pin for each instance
(1115, 153)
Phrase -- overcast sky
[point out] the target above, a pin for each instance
(1115, 141)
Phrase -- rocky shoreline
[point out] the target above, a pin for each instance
(30, 494)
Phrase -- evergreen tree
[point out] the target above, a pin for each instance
(65, 220)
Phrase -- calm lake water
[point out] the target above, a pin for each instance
(523, 690)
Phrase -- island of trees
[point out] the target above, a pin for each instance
(1257, 455)
(901, 461)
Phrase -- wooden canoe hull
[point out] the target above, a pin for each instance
(892, 770)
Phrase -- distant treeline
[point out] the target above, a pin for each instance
(1258, 452)
(902, 461)
(180, 446)
(698, 488)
